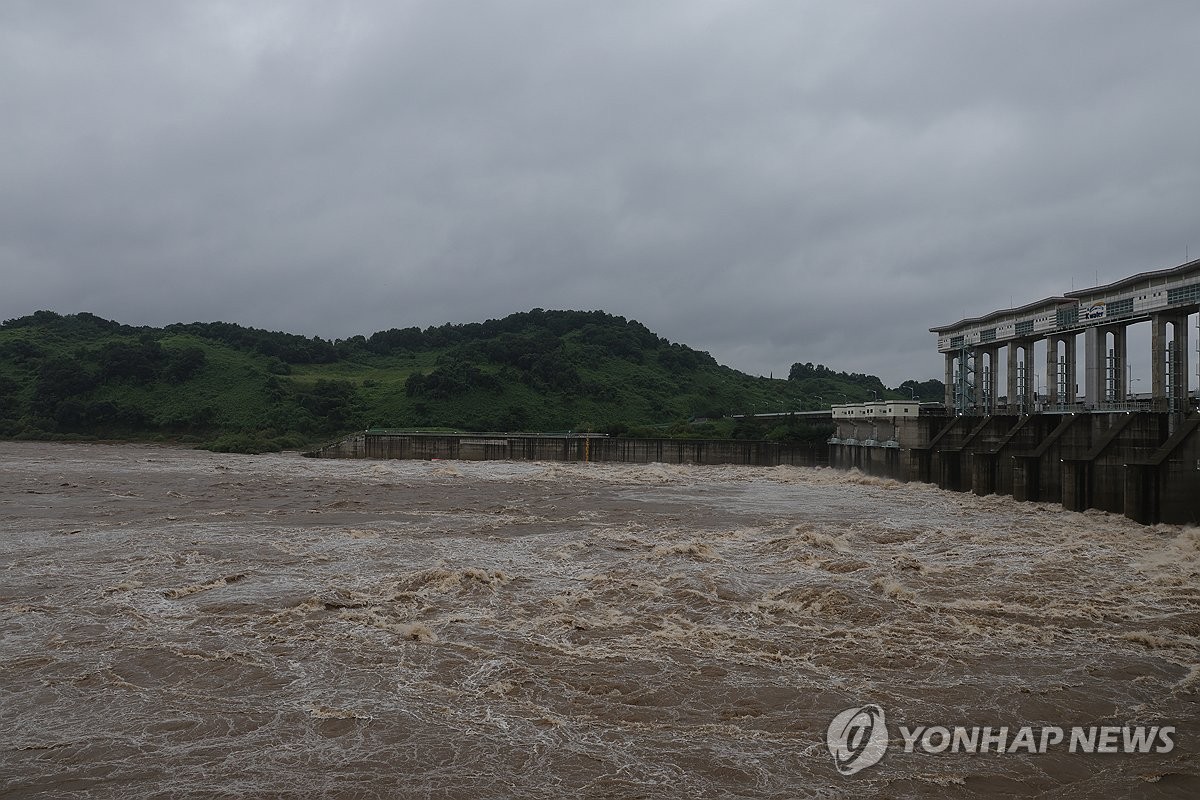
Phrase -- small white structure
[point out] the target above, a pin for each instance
(877, 409)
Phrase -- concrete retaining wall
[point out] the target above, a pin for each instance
(574, 448)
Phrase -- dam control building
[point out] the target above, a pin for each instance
(1061, 428)
(1102, 316)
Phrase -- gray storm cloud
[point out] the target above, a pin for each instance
(769, 181)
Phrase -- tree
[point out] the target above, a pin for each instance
(184, 364)
(136, 361)
(60, 379)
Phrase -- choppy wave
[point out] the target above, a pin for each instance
(455, 629)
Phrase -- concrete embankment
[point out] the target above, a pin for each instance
(573, 447)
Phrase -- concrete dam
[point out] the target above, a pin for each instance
(1043, 439)
(1040, 439)
(1135, 463)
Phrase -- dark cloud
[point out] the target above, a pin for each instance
(770, 181)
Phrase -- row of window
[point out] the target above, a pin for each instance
(1068, 317)
(865, 411)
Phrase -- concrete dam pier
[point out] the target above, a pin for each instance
(1036, 436)
(1141, 464)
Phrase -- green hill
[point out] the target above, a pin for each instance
(233, 387)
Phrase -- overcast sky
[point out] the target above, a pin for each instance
(769, 181)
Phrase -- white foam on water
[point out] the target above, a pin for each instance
(540, 630)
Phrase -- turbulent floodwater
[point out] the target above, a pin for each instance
(178, 623)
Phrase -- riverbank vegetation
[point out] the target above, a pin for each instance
(234, 388)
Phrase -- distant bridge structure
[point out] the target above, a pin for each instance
(825, 415)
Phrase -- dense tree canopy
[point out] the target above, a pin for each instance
(544, 370)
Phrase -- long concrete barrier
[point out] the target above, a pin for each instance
(573, 447)
(1141, 464)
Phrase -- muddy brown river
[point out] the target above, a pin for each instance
(184, 624)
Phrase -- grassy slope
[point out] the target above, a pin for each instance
(239, 390)
(231, 383)
(638, 394)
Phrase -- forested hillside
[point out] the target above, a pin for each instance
(233, 387)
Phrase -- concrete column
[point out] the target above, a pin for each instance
(977, 394)
(1060, 347)
(992, 382)
(949, 380)
(1120, 364)
(1030, 378)
(1072, 378)
(1097, 367)
(1180, 368)
(1052, 371)
(1018, 402)
(1158, 362)
(1012, 399)
(1093, 368)
(1159, 341)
